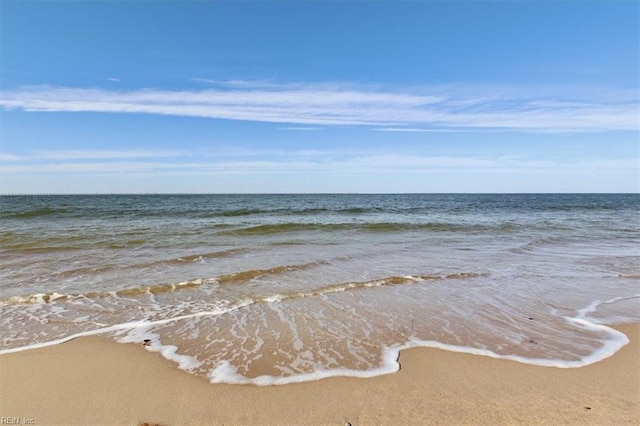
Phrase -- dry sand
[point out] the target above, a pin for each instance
(96, 381)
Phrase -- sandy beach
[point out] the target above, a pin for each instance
(93, 380)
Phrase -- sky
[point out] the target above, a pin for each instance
(319, 96)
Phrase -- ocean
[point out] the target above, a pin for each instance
(275, 289)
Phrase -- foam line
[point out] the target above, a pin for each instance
(124, 326)
(224, 372)
(153, 344)
(593, 306)
(115, 327)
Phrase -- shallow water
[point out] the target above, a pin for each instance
(270, 289)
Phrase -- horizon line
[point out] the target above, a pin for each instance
(49, 194)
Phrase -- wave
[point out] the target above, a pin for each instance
(239, 277)
(204, 256)
(182, 260)
(235, 278)
(629, 276)
(41, 249)
(290, 212)
(54, 297)
(224, 372)
(234, 213)
(539, 244)
(27, 214)
(361, 285)
(244, 276)
(368, 227)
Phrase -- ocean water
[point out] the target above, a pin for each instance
(274, 289)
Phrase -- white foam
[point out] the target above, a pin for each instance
(55, 296)
(109, 329)
(128, 326)
(593, 306)
(225, 372)
(37, 299)
(144, 333)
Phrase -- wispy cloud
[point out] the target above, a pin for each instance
(6, 156)
(299, 128)
(105, 154)
(449, 108)
(314, 162)
(415, 130)
(90, 154)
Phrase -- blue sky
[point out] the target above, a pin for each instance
(310, 96)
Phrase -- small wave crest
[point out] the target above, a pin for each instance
(361, 285)
(289, 212)
(244, 276)
(630, 276)
(178, 261)
(236, 278)
(27, 214)
(48, 298)
(375, 227)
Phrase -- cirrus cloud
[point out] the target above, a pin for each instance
(447, 108)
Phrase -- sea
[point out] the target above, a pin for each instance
(282, 288)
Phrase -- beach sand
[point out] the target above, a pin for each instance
(93, 380)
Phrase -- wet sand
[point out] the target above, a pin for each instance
(93, 380)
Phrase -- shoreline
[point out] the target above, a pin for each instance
(94, 380)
